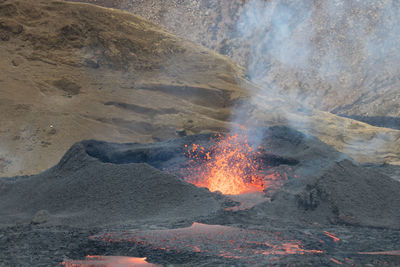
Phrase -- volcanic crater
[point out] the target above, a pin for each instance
(129, 195)
(184, 160)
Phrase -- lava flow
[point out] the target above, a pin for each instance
(333, 236)
(108, 261)
(251, 246)
(229, 165)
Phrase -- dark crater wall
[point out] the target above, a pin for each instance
(98, 183)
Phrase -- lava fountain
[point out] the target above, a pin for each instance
(229, 165)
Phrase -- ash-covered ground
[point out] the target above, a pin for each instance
(131, 200)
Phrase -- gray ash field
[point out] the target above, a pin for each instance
(131, 200)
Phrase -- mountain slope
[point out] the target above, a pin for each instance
(73, 71)
(336, 56)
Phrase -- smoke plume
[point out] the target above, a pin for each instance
(319, 54)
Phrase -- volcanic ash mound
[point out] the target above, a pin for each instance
(343, 193)
(99, 183)
(81, 190)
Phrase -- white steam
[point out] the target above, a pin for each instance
(269, 28)
(311, 52)
(303, 48)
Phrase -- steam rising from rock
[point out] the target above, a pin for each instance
(321, 54)
(299, 47)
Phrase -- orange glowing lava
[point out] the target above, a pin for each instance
(230, 166)
(108, 261)
(251, 246)
(336, 261)
(333, 236)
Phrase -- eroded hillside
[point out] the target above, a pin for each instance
(73, 71)
(336, 56)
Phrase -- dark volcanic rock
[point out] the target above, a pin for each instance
(356, 195)
(103, 183)
(81, 190)
(40, 217)
(112, 186)
(281, 146)
(343, 193)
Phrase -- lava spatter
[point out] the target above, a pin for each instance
(229, 165)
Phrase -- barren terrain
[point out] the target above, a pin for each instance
(349, 67)
(101, 107)
(130, 200)
(74, 71)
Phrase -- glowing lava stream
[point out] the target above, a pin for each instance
(252, 246)
(333, 236)
(229, 166)
(109, 261)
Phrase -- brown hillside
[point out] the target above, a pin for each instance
(72, 71)
(75, 71)
(350, 48)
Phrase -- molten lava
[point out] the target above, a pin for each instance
(333, 236)
(108, 261)
(244, 245)
(230, 166)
